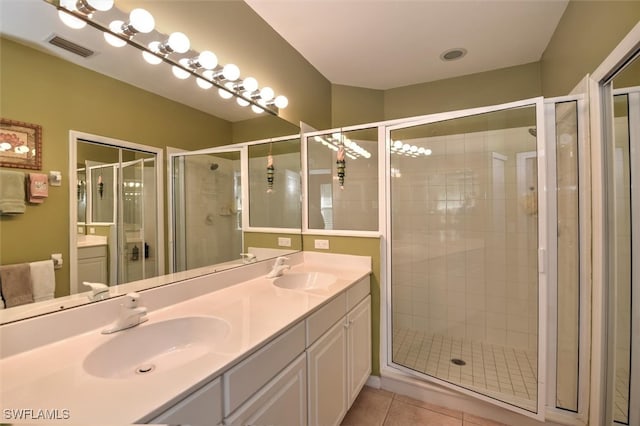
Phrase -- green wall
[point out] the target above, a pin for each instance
(361, 246)
(42, 89)
(588, 31)
(355, 105)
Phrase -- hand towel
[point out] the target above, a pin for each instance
(15, 281)
(43, 279)
(38, 187)
(12, 195)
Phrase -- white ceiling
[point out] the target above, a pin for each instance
(377, 44)
(382, 44)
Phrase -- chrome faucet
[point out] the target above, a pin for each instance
(99, 291)
(130, 314)
(278, 267)
(248, 257)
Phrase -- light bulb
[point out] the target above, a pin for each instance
(101, 5)
(427, 151)
(281, 101)
(150, 58)
(224, 94)
(250, 84)
(256, 109)
(266, 93)
(397, 144)
(141, 21)
(114, 41)
(70, 20)
(178, 42)
(5, 146)
(208, 60)
(406, 147)
(242, 102)
(179, 72)
(231, 72)
(203, 84)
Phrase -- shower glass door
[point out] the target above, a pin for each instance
(206, 208)
(466, 226)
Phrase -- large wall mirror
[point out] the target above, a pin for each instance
(109, 183)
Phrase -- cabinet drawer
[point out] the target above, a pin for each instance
(203, 407)
(320, 321)
(92, 251)
(283, 401)
(246, 378)
(358, 291)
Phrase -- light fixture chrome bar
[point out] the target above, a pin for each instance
(271, 108)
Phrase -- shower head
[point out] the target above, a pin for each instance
(213, 166)
(533, 132)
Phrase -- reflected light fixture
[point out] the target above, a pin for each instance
(207, 60)
(177, 42)
(140, 21)
(180, 73)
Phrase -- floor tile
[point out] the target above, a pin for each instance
(369, 408)
(442, 410)
(403, 414)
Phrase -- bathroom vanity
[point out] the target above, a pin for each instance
(231, 347)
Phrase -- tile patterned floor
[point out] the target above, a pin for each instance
(377, 407)
(500, 372)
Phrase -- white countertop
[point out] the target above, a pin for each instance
(51, 377)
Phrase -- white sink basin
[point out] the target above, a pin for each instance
(305, 280)
(160, 346)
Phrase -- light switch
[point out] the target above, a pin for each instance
(284, 242)
(321, 244)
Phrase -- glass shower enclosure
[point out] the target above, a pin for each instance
(465, 225)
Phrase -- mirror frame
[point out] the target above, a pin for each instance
(74, 137)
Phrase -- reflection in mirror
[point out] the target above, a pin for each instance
(343, 180)
(118, 238)
(625, 204)
(207, 209)
(87, 93)
(274, 184)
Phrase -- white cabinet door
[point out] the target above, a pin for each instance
(327, 366)
(203, 407)
(282, 402)
(359, 347)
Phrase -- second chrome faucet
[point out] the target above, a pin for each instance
(130, 314)
(278, 267)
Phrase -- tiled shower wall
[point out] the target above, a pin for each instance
(464, 259)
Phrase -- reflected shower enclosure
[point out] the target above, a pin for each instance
(207, 209)
(464, 243)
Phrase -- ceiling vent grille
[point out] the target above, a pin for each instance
(70, 46)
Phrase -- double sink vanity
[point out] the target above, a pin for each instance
(230, 347)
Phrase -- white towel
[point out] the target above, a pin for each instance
(43, 279)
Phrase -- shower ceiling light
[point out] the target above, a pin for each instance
(78, 13)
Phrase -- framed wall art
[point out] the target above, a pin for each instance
(20, 144)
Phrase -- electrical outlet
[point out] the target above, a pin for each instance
(321, 244)
(284, 242)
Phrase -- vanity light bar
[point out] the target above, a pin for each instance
(72, 12)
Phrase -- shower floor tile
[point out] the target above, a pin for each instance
(504, 373)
